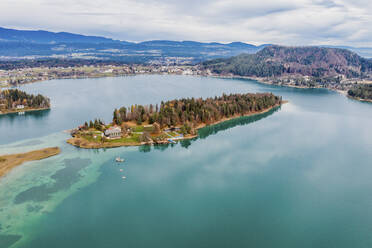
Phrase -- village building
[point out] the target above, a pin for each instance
(113, 132)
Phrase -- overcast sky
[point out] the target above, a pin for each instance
(286, 22)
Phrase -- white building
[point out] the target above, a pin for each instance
(113, 132)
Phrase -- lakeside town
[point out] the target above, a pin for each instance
(20, 76)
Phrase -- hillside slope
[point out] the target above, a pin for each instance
(276, 61)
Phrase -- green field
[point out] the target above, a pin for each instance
(134, 138)
(138, 129)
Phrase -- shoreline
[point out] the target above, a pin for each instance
(23, 110)
(359, 99)
(238, 116)
(10, 161)
(263, 81)
(83, 143)
(95, 77)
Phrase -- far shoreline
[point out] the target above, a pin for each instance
(269, 82)
(189, 70)
(257, 79)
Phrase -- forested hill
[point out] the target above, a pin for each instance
(363, 92)
(316, 62)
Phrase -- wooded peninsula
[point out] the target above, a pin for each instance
(170, 121)
(14, 100)
(361, 92)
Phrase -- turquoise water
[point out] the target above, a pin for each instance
(298, 176)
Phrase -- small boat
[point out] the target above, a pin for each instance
(123, 177)
(121, 169)
(118, 159)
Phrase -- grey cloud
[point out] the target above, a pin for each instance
(299, 22)
(328, 3)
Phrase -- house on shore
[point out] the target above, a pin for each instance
(113, 132)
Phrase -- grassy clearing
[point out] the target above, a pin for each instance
(138, 129)
(134, 138)
(129, 139)
(90, 138)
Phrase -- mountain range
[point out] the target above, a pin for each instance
(26, 44)
(23, 44)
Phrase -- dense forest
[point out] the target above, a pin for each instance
(273, 61)
(361, 91)
(196, 111)
(10, 99)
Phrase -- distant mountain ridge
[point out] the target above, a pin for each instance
(23, 44)
(46, 37)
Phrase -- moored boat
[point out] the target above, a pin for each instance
(120, 160)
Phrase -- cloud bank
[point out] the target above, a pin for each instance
(287, 22)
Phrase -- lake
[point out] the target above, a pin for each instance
(297, 176)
